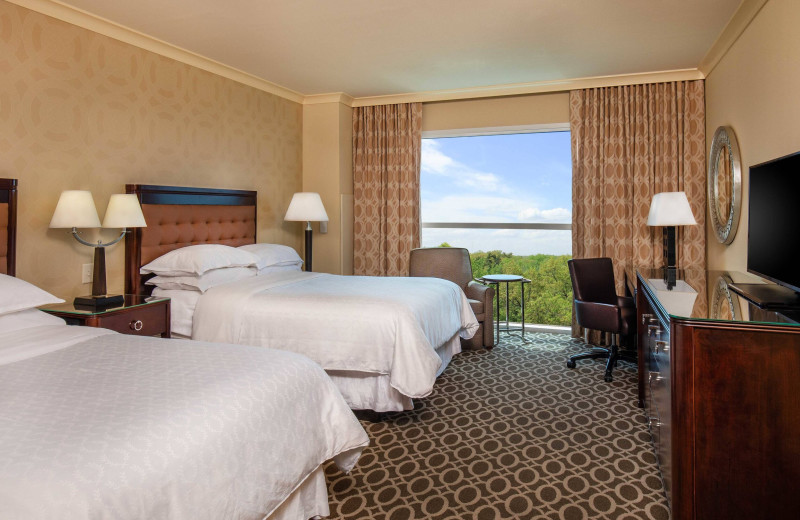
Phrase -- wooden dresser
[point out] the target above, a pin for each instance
(720, 383)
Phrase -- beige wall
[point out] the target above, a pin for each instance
(534, 109)
(755, 89)
(82, 111)
(328, 170)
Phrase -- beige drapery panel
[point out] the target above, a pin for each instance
(387, 142)
(629, 143)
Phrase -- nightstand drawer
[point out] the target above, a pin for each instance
(144, 321)
(139, 315)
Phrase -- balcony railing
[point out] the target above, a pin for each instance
(497, 225)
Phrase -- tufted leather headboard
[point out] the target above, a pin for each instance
(8, 226)
(178, 217)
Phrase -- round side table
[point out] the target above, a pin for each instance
(496, 280)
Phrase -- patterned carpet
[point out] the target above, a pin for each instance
(510, 433)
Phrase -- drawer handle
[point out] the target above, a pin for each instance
(646, 318)
(137, 325)
(654, 378)
(653, 329)
(654, 422)
(663, 345)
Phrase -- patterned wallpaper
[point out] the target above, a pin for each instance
(79, 110)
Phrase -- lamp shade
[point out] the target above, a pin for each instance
(75, 208)
(670, 208)
(306, 206)
(124, 211)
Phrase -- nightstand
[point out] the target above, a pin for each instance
(139, 315)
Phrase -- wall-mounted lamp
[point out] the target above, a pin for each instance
(306, 207)
(76, 209)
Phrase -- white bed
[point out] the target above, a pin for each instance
(95, 424)
(383, 341)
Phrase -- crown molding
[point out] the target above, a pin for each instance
(334, 97)
(741, 19)
(538, 87)
(94, 23)
(53, 8)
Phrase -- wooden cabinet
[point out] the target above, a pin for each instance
(722, 398)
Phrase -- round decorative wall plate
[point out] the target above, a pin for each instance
(724, 184)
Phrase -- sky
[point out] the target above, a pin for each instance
(498, 178)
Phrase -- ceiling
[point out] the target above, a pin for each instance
(381, 47)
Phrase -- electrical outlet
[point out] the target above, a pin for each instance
(86, 273)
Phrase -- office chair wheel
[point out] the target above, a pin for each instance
(608, 378)
(570, 363)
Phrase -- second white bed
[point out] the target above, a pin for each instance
(383, 341)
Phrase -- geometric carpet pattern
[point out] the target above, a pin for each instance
(510, 433)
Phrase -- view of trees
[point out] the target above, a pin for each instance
(548, 298)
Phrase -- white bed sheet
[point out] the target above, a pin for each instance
(364, 391)
(371, 325)
(182, 305)
(104, 425)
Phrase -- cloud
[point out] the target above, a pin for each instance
(437, 163)
(489, 208)
(545, 215)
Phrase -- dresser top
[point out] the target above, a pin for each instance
(706, 295)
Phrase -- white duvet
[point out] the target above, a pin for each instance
(372, 325)
(95, 424)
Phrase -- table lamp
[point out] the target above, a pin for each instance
(668, 210)
(76, 209)
(306, 206)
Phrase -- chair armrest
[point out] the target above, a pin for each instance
(477, 291)
(625, 301)
(598, 316)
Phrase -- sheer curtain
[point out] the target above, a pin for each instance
(629, 143)
(387, 141)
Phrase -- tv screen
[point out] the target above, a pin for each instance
(773, 251)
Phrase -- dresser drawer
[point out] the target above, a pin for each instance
(148, 320)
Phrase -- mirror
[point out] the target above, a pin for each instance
(724, 302)
(724, 184)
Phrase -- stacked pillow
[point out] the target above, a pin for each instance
(199, 268)
(274, 258)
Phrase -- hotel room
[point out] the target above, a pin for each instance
(250, 103)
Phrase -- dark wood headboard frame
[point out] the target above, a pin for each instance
(176, 197)
(8, 195)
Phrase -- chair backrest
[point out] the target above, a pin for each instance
(450, 263)
(593, 280)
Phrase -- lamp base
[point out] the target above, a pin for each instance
(103, 300)
(308, 247)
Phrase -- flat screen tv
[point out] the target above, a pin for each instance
(773, 238)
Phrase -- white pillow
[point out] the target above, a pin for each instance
(17, 295)
(273, 254)
(193, 260)
(27, 319)
(278, 268)
(202, 282)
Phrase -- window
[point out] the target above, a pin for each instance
(507, 198)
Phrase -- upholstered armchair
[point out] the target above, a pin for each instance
(453, 263)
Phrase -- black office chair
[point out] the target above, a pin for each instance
(598, 307)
